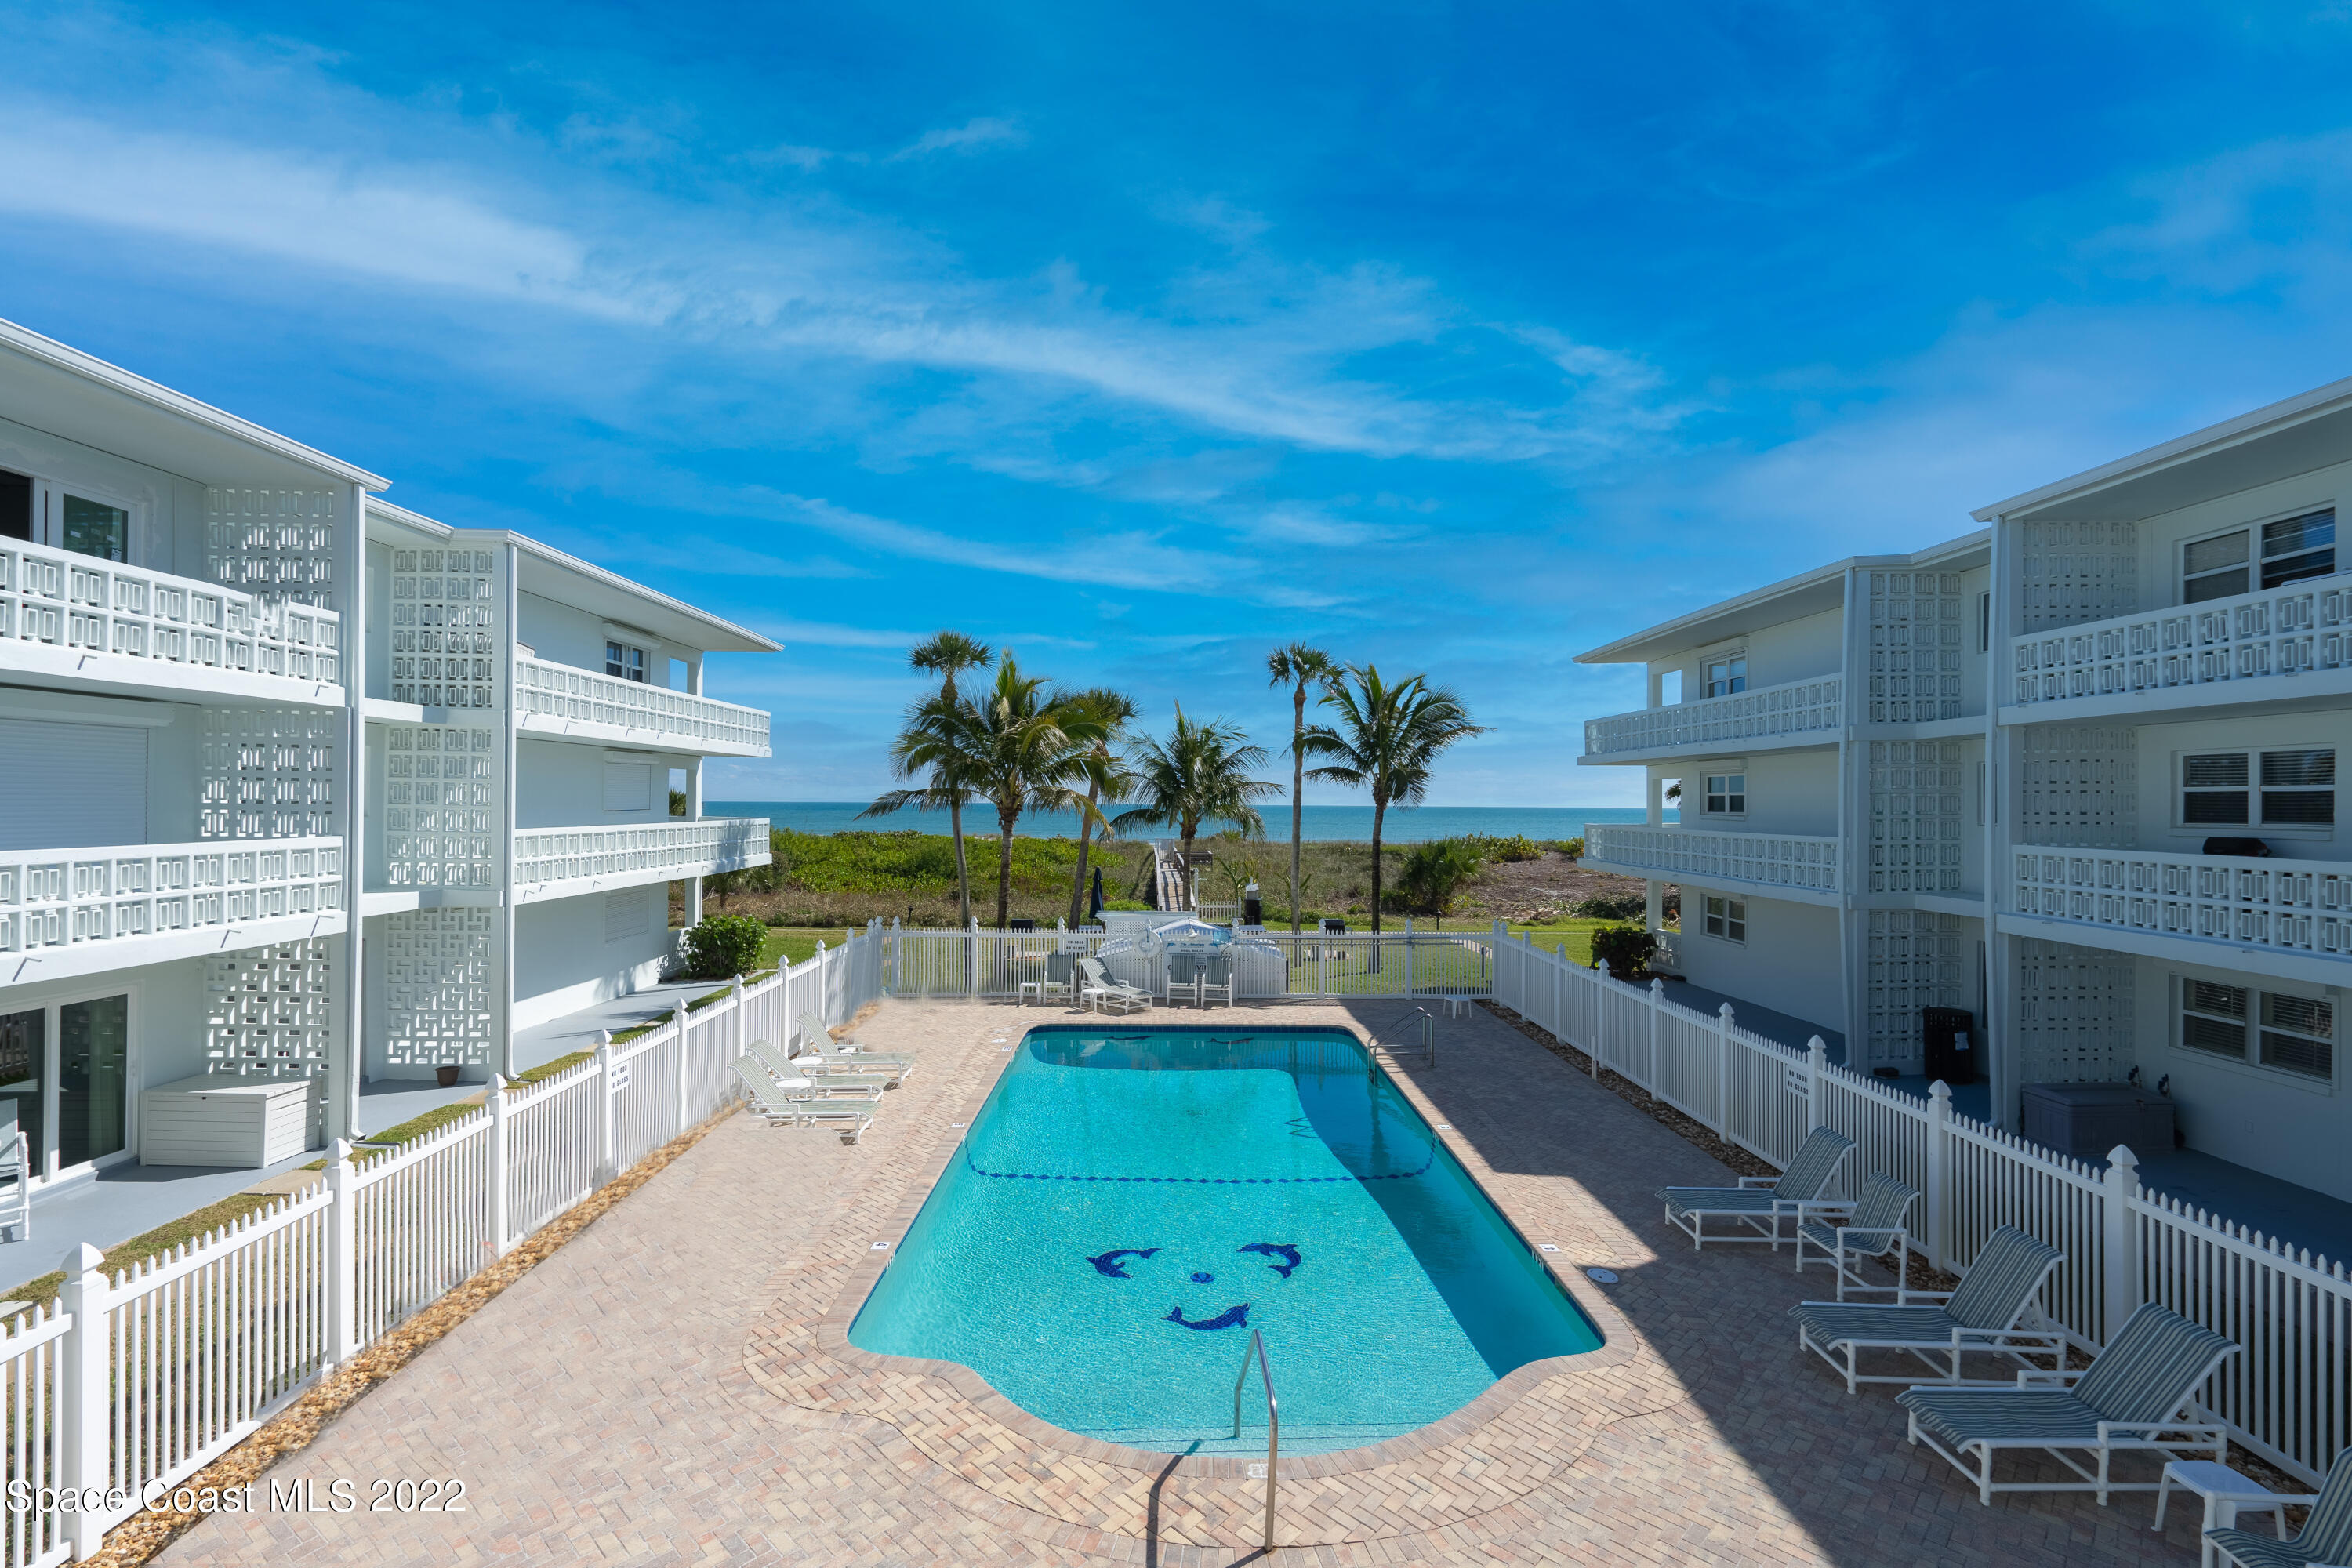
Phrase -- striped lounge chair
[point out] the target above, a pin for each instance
(1983, 1315)
(2326, 1536)
(1876, 1226)
(1760, 1204)
(2136, 1396)
(817, 1043)
(796, 1104)
(821, 1077)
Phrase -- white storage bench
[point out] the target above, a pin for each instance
(222, 1121)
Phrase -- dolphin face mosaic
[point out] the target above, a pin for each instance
(1260, 1261)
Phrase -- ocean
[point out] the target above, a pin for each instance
(1323, 823)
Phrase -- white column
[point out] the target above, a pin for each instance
(694, 814)
(346, 1054)
(503, 641)
(1937, 1201)
(2120, 1243)
(342, 1255)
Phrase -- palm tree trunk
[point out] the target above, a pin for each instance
(1184, 869)
(963, 876)
(1297, 790)
(1085, 839)
(1004, 867)
(1380, 811)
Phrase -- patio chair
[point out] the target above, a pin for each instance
(1876, 1226)
(16, 1176)
(816, 1040)
(1219, 979)
(1794, 1194)
(2326, 1536)
(779, 1105)
(829, 1076)
(2136, 1397)
(1099, 990)
(1984, 1314)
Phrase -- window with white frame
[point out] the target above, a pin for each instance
(622, 662)
(1726, 794)
(2288, 788)
(1727, 673)
(1727, 917)
(2275, 1029)
(43, 513)
(2286, 551)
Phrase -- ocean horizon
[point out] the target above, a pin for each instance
(1319, 824)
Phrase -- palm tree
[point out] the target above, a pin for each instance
(1107, 779)
(1301, 667)
(1023, 749)
(1197, 774)
(1386, 740)
(931, 747)
(946, 655)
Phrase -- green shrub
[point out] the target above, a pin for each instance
(724, 946)
(1627, 949)
(1611, 907)
(1434, 872)
(1516, 847)
(1571, 847)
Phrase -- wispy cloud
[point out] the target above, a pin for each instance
(984, 131)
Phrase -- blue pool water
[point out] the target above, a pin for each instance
(1128, 1205)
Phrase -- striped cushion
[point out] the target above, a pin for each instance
(2264, 1550)
(1831, 1324)
(1962, 1415)
(1716, 1200)
(2002, 1279)
(1870, 1243)
(2151, 1367)
(2327, 1533)
(1883, 1204)
(1816, 1162)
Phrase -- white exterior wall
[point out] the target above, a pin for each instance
(1789, 961)
(569, 956)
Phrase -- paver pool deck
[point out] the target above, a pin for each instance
(675, 1385)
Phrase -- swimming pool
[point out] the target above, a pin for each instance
(1127, 1206)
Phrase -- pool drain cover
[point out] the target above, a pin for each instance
(1601, 1276)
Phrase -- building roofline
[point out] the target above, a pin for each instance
(2288, 412)
(34, 345)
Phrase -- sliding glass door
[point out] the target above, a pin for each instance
(24, 1081)
(66, 1070)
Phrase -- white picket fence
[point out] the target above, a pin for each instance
(134, 1381)
(2288, 1397)
(1269, 965)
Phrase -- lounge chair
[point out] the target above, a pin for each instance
(2136, 1396)
(779, 1106)
(1099, 990)
(2326, 1536)
(1982, 1315)
(1219, 979)
(1794, 1194)
(827, 1076)
(1876, 1226)
(818, 1041)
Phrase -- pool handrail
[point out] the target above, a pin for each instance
(1272, 1421)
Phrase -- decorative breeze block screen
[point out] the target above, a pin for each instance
(275, 544)
(438, 813)
(443, 641)
(438, 969)
(1914, 646)
(2077, 572)
(269, 773)
(1915, 962)
(2078, 784)
(2074, 1013)
(271, 1009)
(1916, 801)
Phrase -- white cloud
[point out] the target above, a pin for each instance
(972, 134)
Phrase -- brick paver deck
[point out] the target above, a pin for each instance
(675, 1385)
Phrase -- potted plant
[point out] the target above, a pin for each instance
(446, 1075)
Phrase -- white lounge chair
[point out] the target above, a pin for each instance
(2326, 1536)
(1101, 991)
(817, 1040)
(1876, 1226)
(1761, 1203)
(1984, 1315)
(780, 1105)
(2136, 1396)
(829, 1074)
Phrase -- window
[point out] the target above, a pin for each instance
(93, 528)
(1727, 917)
(1727, 675)
(15, 506)
(625, 915)
(1726, 794)
(622, 662)
(2293, 788)
(1984, 622)
(64, 1080)
(628, 786)
(2285, 1032)
(2293, 548)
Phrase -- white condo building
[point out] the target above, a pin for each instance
(302, 784)
(2074, 774)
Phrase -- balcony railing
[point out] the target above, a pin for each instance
(2253, 637)
(1762, 860)
(569, 695)
(2293, 906)
(1768, 712)
(59, 898)
(558, 861)
(80, 604)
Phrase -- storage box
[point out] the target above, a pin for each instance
(244, 1122)
(2087, 1120)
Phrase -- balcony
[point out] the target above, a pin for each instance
(123, 627)
(79, 911)
(562, 702)
(562, 862)
(1787, 864)
(2152, 902)
(2252, 648)
(1797, 712)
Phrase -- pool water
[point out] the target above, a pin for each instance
(1128, 1207)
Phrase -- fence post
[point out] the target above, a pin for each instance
(897, 957)
(1600, 1016)
(685, 1065)
(824, 990)
(1723, 1072)
(971, 968)
(1495, 986)
(2120, 1241)
(1939, 1195)
(499, 1158)
(607, 1155)
(1657, 994)
(343, 1256)
(742, 1025)
(82, 1437)
(1817, 1061)
(1407, 956)
(1322, 957)
(1560, 993)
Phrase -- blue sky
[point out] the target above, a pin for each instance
(1137, 339)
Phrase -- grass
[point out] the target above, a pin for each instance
(156, 1243)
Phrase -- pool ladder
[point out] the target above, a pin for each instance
(1419, 1022)
(1256, 1351)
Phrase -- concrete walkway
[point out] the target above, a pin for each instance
(675, 1385)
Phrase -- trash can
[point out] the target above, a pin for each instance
(1253, 906)
(1949, 1033)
